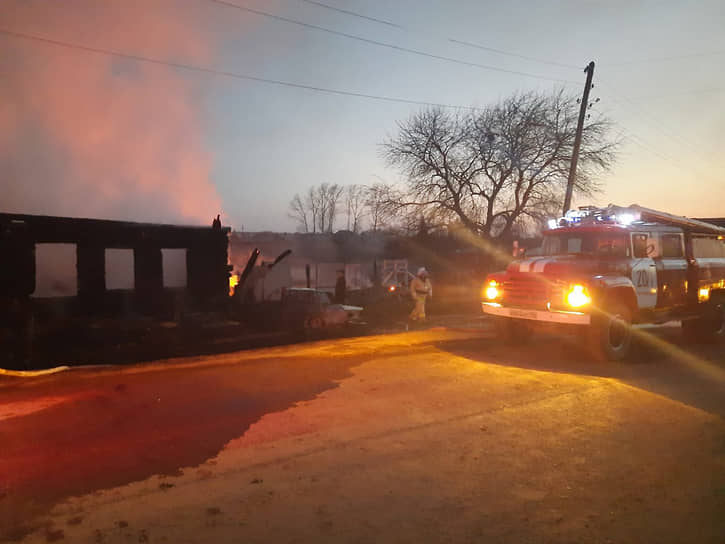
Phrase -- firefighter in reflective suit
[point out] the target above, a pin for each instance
(420, 289)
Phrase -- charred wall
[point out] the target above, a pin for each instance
(206, 269)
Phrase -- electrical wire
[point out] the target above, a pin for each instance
(354, 14)
(388, 45)
(639, 112)
(517, 55)
(234, 75)
(663, 59)
(636, 139)
(677, 93)
(452, 40)
(644, 144)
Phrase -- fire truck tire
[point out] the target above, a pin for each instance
(691, 330)
(710, 327)
(612, 332)
(718, 319)
(512, 331)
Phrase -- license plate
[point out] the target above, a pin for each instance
(530, 314)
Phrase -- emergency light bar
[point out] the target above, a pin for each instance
(591, 215)
(648, 214)
(620, 215)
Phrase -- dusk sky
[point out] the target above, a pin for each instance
(90, 134)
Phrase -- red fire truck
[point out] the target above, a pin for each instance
(604, 269)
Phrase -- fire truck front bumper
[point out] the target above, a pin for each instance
(567, 318)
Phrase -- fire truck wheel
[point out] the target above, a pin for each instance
(710, 327)
(512, 331)
(612, 332)
(718, 323)
(691, 330)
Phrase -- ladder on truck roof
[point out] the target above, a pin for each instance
(648, 214)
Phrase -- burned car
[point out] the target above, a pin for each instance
(313, 309)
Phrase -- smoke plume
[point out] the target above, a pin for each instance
(84, 134)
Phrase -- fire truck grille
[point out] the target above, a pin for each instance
(531, 293)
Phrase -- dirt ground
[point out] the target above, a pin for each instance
(427, 436)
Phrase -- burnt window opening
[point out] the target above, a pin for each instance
(55, 270)
(174, 267)
(119, 267)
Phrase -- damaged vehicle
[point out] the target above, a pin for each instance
(313, 309)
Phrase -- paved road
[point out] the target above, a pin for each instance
(439, 435)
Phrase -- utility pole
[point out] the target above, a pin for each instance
(589, 71)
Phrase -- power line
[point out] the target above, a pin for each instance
(452, 40)
(677, 93)
(638, 140)
(644, 144)
(387, 45)
(347, 12)
(210, 71)
(517, 55)
(648, 120)
(664, 59)
(234, 75)
(511, 53)
(641, 142)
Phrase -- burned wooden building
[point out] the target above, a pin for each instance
(60, 267)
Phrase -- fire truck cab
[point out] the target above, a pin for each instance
(605, 269)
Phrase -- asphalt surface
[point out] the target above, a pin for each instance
(438, 435)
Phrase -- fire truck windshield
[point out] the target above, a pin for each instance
(601, 244)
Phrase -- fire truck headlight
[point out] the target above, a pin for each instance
(493, 290)
(578, 296)
(703, 294)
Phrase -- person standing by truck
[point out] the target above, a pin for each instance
(420, 289)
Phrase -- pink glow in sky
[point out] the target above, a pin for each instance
(84, 134)
(90, 135)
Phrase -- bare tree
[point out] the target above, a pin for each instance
(494, 169)
(354, 206)
(313, 204)
(327, 196)
(318, 209)
(380, 203)
(300, 212)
